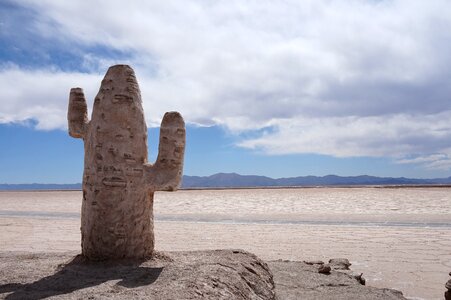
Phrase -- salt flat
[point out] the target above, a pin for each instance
(399, 238)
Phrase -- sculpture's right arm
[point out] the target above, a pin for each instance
(166, 173)
(77, 114)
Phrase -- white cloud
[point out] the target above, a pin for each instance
(42, 95)
(432, 162)
(342, 78)
(395, 136)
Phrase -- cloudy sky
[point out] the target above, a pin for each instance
(276, 88)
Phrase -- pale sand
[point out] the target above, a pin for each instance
(413, 258)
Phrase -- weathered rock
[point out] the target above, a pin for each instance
(324, 269)
(342, 265)
(221, 274)
(118, 182)
(339, 263)
(298, 280)
(359, 278)
(448, 287)
(314, 262)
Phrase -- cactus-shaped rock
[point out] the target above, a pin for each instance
(118, 182)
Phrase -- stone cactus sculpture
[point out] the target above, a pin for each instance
(118, 183)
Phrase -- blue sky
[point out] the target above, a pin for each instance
(283, 88)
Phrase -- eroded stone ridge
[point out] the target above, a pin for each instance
(118, 182)
(217, 274)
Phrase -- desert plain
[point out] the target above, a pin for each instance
(397, 237)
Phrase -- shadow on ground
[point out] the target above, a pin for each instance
(79, 274)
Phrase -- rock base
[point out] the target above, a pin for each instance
(302, 280)
(219, 274)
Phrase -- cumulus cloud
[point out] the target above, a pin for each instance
(432, 162)
(342, 78)
(41, 95)
(378, 136)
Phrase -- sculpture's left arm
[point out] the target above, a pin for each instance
(166, 173)
(77, 114)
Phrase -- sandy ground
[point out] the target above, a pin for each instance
(413, 258)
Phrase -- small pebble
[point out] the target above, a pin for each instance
(448, 285)
(314, 262)
(360, 278)
(340, 263)
(324, 269)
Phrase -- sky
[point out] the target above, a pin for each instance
(276, 88)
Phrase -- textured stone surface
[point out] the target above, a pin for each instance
(118, 182)
(339, 263)
(448, 287)
(218, 274)
(324, 269)
(314, 262)
(221, 274)
(299, 280)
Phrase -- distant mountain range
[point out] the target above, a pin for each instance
(39, 186)
(233, 180)
(229, 180)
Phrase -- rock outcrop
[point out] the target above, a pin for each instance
(118, 182)
(339, 263)
(221, 274)
(302, 280)
(217, 274)
(448, 288)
